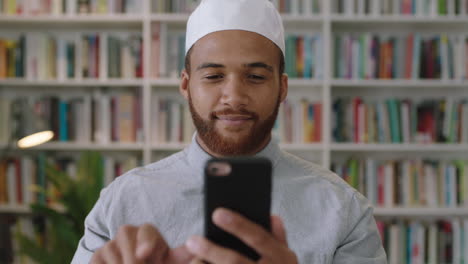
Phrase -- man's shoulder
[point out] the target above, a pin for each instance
(303, 171)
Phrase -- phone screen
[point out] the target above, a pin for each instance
(242, 185)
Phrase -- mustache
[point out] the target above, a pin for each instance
(230, 111)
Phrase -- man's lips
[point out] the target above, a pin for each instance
(234, 120)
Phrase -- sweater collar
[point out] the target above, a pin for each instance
(197, 156)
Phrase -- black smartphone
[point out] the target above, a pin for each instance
(242, 185)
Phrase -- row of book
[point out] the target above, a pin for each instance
(402, 7)
(167, 51)
(22, 178)
(304, 56)
(44, 56)
(299, 121)
(171, 121)
(410, 56)
(400, 120)
(102, 118)
(408, 183)
(9, 245)
(69, 7)
(431, 242)
(295, 7)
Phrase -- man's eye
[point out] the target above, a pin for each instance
(256, 77)
(214, 77)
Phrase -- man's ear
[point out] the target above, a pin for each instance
(284, 87)
(184, 84)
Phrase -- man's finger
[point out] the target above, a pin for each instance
(111, 253)
(250, 233)
(179, 255)
(204, 249)
(278, 230)
(150, 243)
(126, 241)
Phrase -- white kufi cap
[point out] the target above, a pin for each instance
(259, 16)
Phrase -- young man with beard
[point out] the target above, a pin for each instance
(234, 83)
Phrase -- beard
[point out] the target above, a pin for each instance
(233, 146)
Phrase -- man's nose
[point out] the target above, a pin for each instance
(235, 93)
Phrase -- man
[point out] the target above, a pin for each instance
(234, 82)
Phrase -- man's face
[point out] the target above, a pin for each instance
(234, 91)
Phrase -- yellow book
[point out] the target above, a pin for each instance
(3, 59)
(10, 58)
(101, 7)
(11, 7)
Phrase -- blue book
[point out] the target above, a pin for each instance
(63, 124)
(308, 60)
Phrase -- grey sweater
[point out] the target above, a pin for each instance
(326, 220)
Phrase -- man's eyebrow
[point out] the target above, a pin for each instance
(209, 65)
(259, 65)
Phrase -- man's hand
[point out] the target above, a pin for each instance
(272, 247)
(143, 244)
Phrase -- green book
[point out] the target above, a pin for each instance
(291, 57)
(442, 7)
(393, 105)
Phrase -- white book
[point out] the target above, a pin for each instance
(421, 238)
(431, 183)
(444, 51)
(389, 188)
(154, 118)
(457, 239)
(86, 115)
(356, 55)
(163, 50)
(294, 7)
(396, 6)
(420, 7)
(27, 177)
(307, 4)
(371, 185)
(175, 122)
(298, 119)
(370, 62)
(111, 6)
(360, 8)
(318, 49)
(458, 57)
(31, 63)
(432, 244)
(57, 7)
(103, 56)
(406, 183)
(393, 254)
(376, 8)
(463, 5)
(465, 238)
(452, 186)
(61, 59)
(128, 63)
(78, 57)
(433, 8)
(11, 183)
(451, 8)
(349, 7)
(71, 7)
(109, 173)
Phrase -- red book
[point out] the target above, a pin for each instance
(380, 185)
(409, 56)
(19, 182)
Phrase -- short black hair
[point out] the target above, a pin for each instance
(281, 64)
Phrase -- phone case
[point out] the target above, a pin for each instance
(246, 189)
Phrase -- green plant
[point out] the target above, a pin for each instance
(75, 198)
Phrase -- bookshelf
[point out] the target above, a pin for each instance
(328, 23)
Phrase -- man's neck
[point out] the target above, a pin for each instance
(217, 155)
